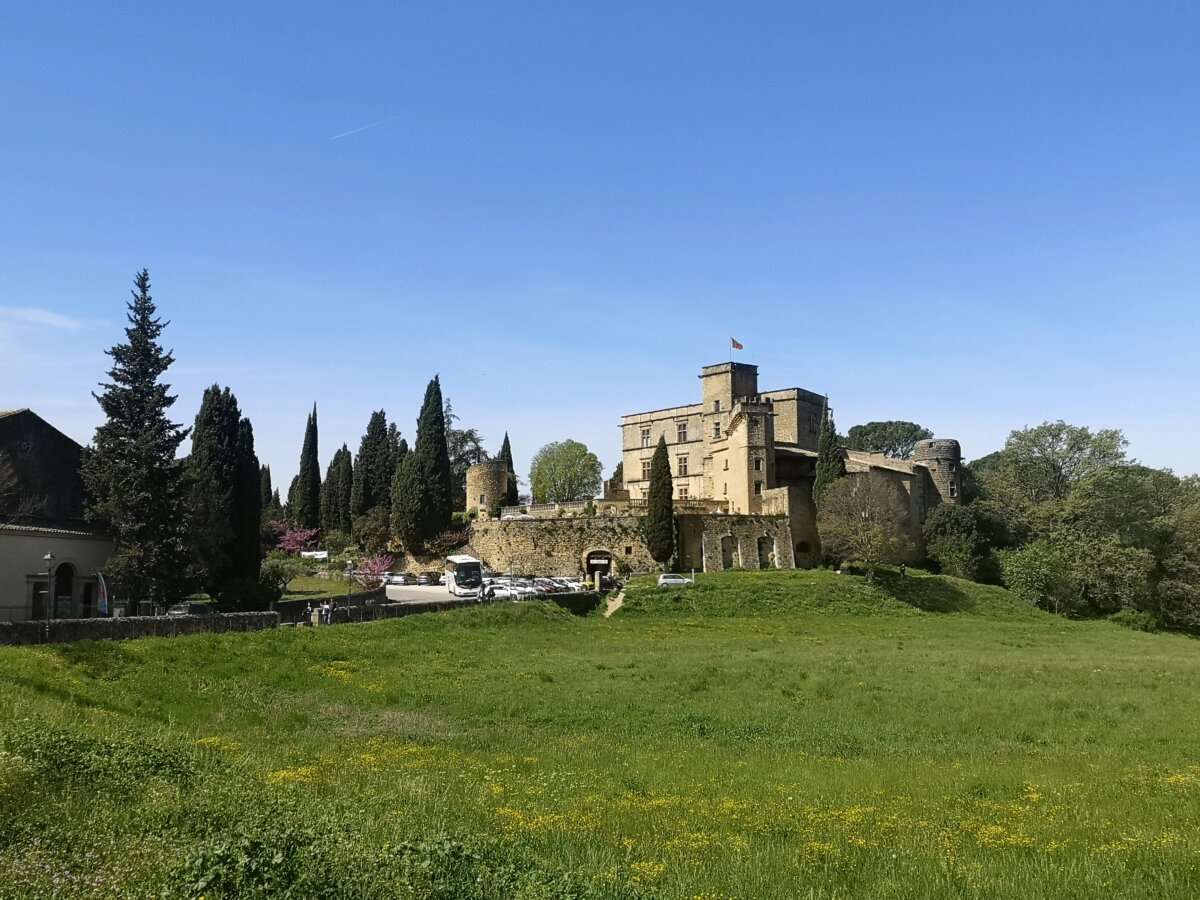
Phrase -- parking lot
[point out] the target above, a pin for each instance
(416, 592)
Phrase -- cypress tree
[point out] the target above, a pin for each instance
(247, 506)
(511, 496)
(405, 504)
(304, 502)
(374, 467)
(265, 486)
(226, 494)
(830, 464)
(429, 488)
(335, 493)
(211, 468)
(137, 487)
(659, 524)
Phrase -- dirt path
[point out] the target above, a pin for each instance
(614, 604)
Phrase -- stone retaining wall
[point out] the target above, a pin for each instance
(66, 631)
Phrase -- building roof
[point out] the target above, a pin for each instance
(58, 532)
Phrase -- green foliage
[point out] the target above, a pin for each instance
(136, 486)
(373, 531)
(276, 573)
(954, 541)
(895, 439)
(375, 466)
(1079, 575)
(304, 498)
(1045, 462)
(658, 525)
(857, 521)
(511, 496)
(336, 493)
(831, 465)
(268, 860)
(421, 488)
(497, 505)
(563, 472)
(1134, 620)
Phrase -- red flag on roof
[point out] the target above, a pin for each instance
(733, 342)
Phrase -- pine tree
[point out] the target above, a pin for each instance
(511, 497)
(137, 487)
(304, 502)
(658, 526)
(830, 463)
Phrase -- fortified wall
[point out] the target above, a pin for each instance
(574, 546)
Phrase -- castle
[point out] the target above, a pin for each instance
(743, 464)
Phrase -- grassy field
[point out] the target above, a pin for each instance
(773, 734)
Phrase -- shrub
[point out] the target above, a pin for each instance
(1135, 620)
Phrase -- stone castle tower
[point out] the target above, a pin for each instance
(487, 482)
(941, 458)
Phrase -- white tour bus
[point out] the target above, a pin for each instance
(464, 574)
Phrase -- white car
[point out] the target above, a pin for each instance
(668, 580)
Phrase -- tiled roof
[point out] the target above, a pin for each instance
(46, 529)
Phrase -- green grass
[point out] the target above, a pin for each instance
(762, 734)
(309, 587)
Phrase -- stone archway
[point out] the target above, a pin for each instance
(598, 559)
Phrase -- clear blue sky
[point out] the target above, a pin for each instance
(978, 216)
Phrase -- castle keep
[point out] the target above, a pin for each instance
(743, 463)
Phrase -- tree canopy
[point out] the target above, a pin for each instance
(564, 471)
(894, 438)
(859, 522)
(831, 465)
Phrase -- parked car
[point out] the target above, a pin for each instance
(192, 608)
(670, 580)
(430, 578)
(397, 578)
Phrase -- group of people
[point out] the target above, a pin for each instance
(324, 610)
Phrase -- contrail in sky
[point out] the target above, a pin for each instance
(337, 137)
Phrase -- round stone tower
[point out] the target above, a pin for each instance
(941, 457)
(487, 482)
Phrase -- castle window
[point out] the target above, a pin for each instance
(683, 492)
(726, 467)
(758, 489)
(716, 406)
(725, 490)
(645, 469)
(716, 429)
(812, 423)
(629, 551)
(645, 437)
(953, 489)
(681, 465)
(758, 464)
(681, 432)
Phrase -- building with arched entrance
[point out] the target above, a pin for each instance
(49, 555)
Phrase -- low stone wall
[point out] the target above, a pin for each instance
(292, 611)
(66, 631)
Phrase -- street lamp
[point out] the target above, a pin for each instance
(49, 560)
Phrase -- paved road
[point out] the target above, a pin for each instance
(417, 592)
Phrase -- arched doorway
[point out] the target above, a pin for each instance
(597, 561)
(64, 591)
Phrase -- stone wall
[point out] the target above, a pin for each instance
(748, 542)
(559, 546)
(66, 631)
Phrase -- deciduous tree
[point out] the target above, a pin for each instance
(564, 471)
(894, 438)
(859, 522)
